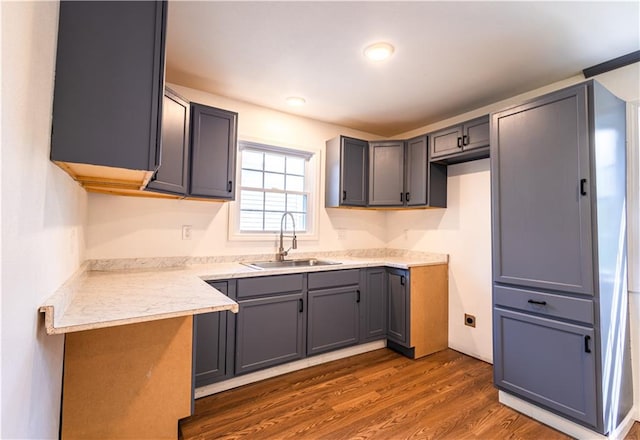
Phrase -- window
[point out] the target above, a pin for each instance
(274, 180)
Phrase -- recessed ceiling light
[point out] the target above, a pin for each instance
(295, 101)
(378, 51)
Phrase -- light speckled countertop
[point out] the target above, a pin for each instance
(149, 290)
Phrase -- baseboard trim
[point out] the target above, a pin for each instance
(561, 424)
(288, 368)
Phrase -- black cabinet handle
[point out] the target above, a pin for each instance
(583, 188)
(229, 186)
(401, 196)
(402, 280)
(344, 195)
(406, 197)
(541, 303)
(358, 295)
(300, 305)
(587, 349)
(465, 140)
(459, 142)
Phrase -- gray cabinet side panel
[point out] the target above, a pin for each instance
(542, 223)
(608, 120)
(437, 185)
(546, 361)
(417, 167)
(386, 173)
(109, 84)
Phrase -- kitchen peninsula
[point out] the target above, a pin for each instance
(128, 366)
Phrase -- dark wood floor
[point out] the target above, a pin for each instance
(376, 395)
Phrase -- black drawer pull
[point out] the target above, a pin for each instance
(344, 195)
(358, 296)
(587, 349)
(401, 197)
(583, 189)
(300, 305)
(402, 280)
(459, 142)
(465, 140)
(540, 303)
(406, 197)
(229, 186)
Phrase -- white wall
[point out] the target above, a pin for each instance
(43, 216)
(122, 227)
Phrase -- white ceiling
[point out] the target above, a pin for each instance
(450, 57)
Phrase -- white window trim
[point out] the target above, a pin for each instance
(633, 195)
(312, 183)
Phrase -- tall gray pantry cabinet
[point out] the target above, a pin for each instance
(561, 333)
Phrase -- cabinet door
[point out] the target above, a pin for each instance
(445, 142)
(386, 173)
(269, 331)
(332, 320)
(547, 361)
(398, 306)
(353, 172)
(540, 188)
(172, 174)
(214, 345)
(416, 172)
(373, 305)
(475, 133)
(109, 82)
(213, 152)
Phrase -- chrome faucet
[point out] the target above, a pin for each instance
(294, 241)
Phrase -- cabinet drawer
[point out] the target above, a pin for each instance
(322, 280)
(575, 309)
(261, 286)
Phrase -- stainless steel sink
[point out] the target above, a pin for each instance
(307, 262)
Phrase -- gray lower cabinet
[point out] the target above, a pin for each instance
(559, 294)
(373, 305)
(334, 310)
(214, 342)
(460, 143)
(546, 361)
(398, 306)
(270, 325)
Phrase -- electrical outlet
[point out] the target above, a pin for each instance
(186, 232)
(469, 320)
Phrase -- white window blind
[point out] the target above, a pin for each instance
(273, 180)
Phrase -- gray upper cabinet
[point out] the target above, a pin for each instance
(386, 173)
(214, 341)
(542, 223)
(560, 303)
(347, 172)
(463, 142)
(109, 87)
(213, 152)
(172, 175)
(416, 172)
